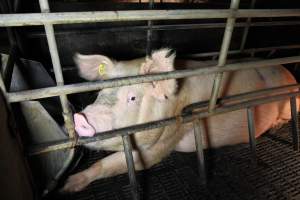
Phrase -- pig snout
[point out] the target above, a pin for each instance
(82, 127)
(93, 119)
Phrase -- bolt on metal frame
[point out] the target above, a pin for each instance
(49, 19)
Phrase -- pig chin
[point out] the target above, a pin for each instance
(86, 126)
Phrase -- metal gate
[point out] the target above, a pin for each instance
(246, 100)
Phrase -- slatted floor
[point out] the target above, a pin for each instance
(231, 175)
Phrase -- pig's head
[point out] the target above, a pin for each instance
(127, 105)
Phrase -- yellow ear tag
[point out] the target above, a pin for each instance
(101, 69)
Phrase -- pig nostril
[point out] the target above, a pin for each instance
(85, 127)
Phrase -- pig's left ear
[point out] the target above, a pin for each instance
(93, 67)
(160, 61)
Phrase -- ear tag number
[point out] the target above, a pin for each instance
(101, 69)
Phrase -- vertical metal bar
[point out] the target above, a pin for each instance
(223, 54)
(130, 166)
(246, 29)
(198, 130)
(295, 130)
(8, 71)
(149, 31)
(67, 114)
(2, 85)
(251, 129)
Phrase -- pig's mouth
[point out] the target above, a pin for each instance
(82, 126)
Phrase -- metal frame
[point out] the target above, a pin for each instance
(247, 100)
(31, 19)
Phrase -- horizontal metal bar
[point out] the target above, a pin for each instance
(170, 27)
(186, 117)
(243, 96)
(137, 15)
(250, 51)
(91, 86)
(216, 53)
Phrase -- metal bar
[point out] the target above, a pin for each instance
(186, 117)
(67, 114)
(53, 183)
(198, 131)
(137, 15)
(216, 53)
(2, 85)
(249, 51)
(149, 31)
(223, 54)
(243, 96)
(246, 30)
(295, 128)
(251, 129)
(130, 165)
(117, 82)
(172, 27)
(63, 98)
(8, 71)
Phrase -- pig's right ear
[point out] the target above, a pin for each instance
(160, 61)
(93, 67)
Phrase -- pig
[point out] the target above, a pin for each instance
(140, 103)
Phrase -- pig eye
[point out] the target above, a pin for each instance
(131, 98)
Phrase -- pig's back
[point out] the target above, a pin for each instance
(231, 128)
(198, 88)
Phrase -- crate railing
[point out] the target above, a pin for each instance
(48, 19)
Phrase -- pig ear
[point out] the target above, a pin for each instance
(93, 67)
(160, 61)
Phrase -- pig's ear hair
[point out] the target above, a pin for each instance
(93, 67)
(160, 61)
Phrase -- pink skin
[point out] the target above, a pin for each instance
(141, 103)
(93, 119)
(82, 127)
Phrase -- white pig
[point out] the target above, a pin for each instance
(129, 105)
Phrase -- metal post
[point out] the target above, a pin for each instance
(198, 131)
(149, 31)
(295, 130)
(57, 70)
(246, 30)
(63, 98)
(251, 129)
(223, 54)
(130, 166)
